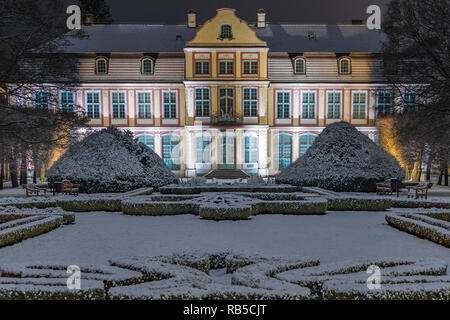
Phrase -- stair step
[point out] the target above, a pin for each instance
(227, 174)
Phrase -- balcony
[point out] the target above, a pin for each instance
(226, 119)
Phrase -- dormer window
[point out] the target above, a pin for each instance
(101, 66)
(345, 66)
(147, 66)
(299, 66)
(226, 32)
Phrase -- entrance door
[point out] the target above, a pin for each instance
(226, 151)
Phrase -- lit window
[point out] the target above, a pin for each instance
(250, 149)
(203, 148)
(250, 67)
(309, 105)
(147, 66)
(202, 102)
(101, 66)
(171, 151)
(170, 104)
(144, 102)
(42, 99)
(334, 105)
(148, 140)
(344, 66)
(226, 32)
(359, 100)
(226, 67)
(384, 103)
(284, 152)
(118, 104)
(67, 101)
(202, 67)
(250, 102)
(283, 104)
(93, 104)
(226, 103)
(299, 66)
(306, 141)
(410, 99)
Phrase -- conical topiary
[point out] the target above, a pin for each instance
(342, 159)
(110, 160)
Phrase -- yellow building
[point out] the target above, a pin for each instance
(226, 94)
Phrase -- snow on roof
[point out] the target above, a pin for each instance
(279, 38)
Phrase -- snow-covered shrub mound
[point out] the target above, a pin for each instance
(110, 160)
(342, 159)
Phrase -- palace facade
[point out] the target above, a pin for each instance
(226, 94)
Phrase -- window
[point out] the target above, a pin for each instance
(226, 67)
(93, 104)
(299, 66)
(203, 146)
(409, 99)
(334, 105)
(384, 103)
(147, 66)
(308, 105)
(250, 102)
(226, 103)
(306, 141)
(170, 104)
(226, 32)
(202, 102)
(284, 150)
(250, 67)
(376, 139)
(201, 67)
(171, 151)
(344, 66)
(148, 140)
(359, 100)
(118, 104)
(144, 103)
(250, 149)
(42, 99)
(67, 101)
(101, 66)
(283, 104)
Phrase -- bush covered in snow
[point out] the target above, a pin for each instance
(342, 159)
(433, 228)
(110, 160)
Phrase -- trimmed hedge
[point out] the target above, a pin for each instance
(158, 208)
(187, 189)
(304, 207)
(398, 203)
(212, 212)
(431, 229)
(358, 204)
(90, 204)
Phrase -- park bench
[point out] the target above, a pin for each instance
(69, 188)
(419, 191)
(34, 191)
(384, 188)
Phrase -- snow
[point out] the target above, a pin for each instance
(342, 159)
(110, 160)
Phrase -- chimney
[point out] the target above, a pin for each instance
(261, 15)
(89, 19)
(192, 19)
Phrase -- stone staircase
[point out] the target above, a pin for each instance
(227, 174)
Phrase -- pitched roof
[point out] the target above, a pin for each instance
(279, 37)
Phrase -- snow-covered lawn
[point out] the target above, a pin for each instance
(97, 237)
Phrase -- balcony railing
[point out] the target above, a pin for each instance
(226, 119)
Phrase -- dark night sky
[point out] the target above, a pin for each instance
(286, 11)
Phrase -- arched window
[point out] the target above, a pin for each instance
(147, 66)
(345, 66)
(226, 32)
(306, 141)
(250, 149)
(203, 148)
(299, 66)
(101, 66)
(171, 151)
(148, 140)
(284, 150)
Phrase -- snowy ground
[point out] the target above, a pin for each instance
(337, 236)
